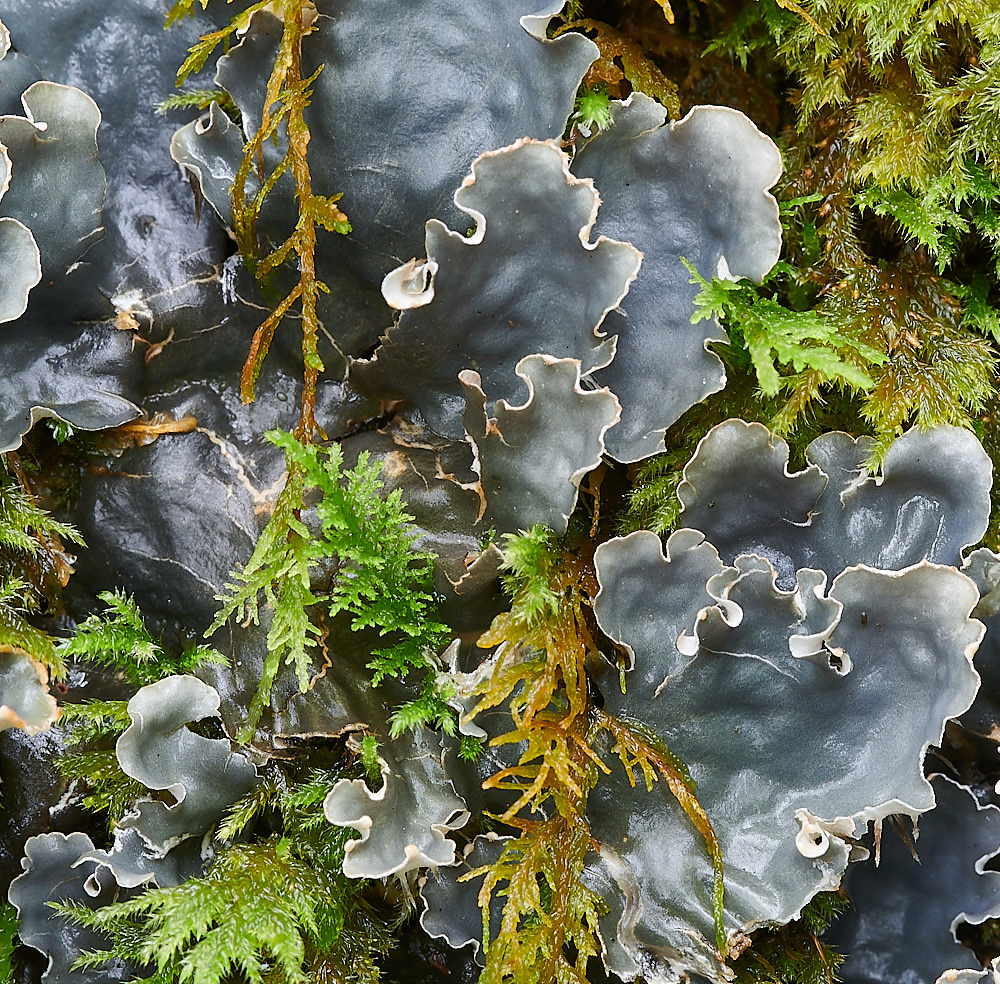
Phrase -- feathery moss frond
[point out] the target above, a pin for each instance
(258, 904)
(118, 638)
(547, 905)
(277, 911)
(182, 9)
(430, 709)
(23, 522)
(28, 534)
(540, 673)
(8, 940)
(108, 786)
(17, 633)
(265, 796)
(90, 731)
(201, 99)
(377, 576)
(94, 720)
(286, 98)
(774, 334)
(652, 500)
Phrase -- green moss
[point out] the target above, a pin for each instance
(8, 940)
(118, 640)
(31, 543)
(894, 176)
(593, 109)
(774, 335)
(106, 786)
(379, 579)
(201, 99)
(277, 909)
(795, 954)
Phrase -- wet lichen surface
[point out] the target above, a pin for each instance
(499, 492)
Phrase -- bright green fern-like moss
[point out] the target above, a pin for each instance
(804, 340)
(16, 600)
(117, 640)
(201, 99)
(106, 785)
(28, 535)
(259, 910)
(8, 940)
(366, 539)
(24, 524)
(274, 911)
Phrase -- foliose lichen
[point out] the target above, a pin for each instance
(783, 663)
